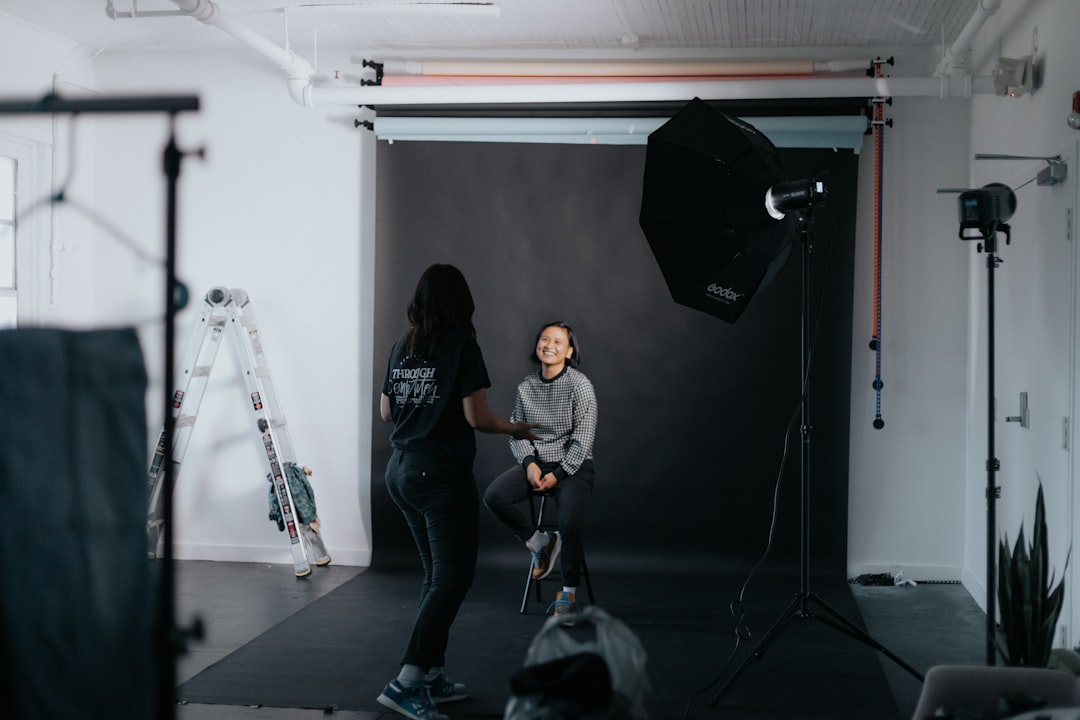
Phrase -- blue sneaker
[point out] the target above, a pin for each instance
(443, 689)
(544, 558)
(412, 702)
(564, 608)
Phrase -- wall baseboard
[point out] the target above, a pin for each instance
(356, 557)
(918, 573)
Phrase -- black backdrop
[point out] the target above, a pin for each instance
(693, 411)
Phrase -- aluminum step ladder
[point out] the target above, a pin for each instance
(224, 308)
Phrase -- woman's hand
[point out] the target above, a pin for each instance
(524, 431)
(481, 417)
(533, 474)
(547, 482)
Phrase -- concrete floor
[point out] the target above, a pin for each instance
(240, 601)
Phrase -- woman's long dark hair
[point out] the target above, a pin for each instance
(575, 359)
(441, 302)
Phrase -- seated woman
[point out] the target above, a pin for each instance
(562, 401)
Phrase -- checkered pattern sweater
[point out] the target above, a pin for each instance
(565, 407)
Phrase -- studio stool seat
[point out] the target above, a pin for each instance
(537, 504)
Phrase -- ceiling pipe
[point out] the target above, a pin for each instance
(301, 78)
(298, 71)
(570, 68)
(955, 57)
(642, 91)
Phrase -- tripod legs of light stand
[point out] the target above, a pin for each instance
(799, 607)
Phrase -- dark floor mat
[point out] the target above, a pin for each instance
(340, 650)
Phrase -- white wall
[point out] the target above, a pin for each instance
(918, 486)
(907, 478)
(1036, 296)
(35, 63)
(278, 207)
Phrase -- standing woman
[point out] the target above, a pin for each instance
(561, 399)
(435, 394)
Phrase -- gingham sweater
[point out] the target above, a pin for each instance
(565, 407)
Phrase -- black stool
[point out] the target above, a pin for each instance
(547, 526)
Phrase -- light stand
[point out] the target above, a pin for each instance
(170, 639)
(993, 492)
(802, 605)
(986, 209)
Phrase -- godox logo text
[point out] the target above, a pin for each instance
(724, 293)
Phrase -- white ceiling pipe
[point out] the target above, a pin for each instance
(466, 68)
(298, 71)
(571, 68)
(644, 91)
(956, 54)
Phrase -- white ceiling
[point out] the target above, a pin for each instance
(403, 28)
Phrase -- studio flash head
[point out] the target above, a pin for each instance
(786, 197)
(985, 208)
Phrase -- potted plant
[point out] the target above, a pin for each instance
(1028, 601)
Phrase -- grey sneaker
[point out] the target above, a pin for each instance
(544, 558)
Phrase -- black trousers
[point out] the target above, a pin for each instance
(438, 497)
(507, 492)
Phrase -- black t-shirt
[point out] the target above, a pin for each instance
(426, 393)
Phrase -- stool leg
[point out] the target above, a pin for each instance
(539, 526)
(529, 582)
(525, 596)
(588, 580)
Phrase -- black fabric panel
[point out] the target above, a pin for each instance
(76, 608)
(693, 412)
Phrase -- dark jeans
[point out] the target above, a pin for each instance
(510, 489)
(438, 497)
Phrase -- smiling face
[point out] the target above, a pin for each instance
(553, 350)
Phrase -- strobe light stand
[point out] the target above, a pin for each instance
(720, 215)
(806, 604)
(985, 211)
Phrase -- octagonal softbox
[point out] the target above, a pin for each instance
(703, 209)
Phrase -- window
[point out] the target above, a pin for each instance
(22, 178)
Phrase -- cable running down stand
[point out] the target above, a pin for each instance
(803, 605)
